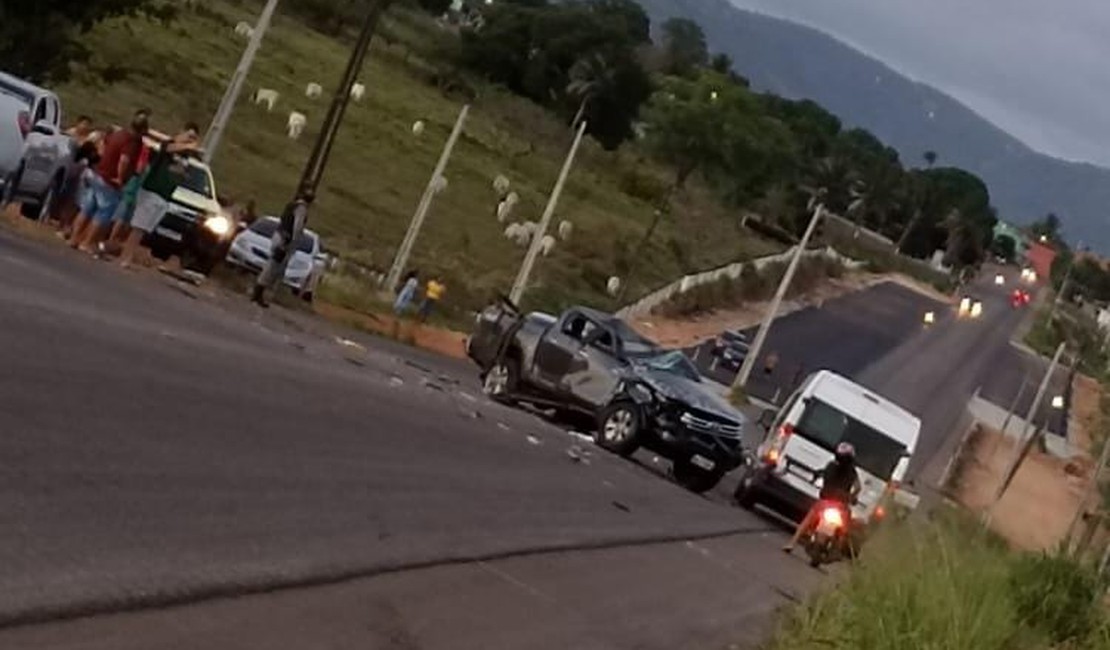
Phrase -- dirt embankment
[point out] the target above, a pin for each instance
(684, 332)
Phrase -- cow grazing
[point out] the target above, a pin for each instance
(357, 92)
(313, 90)
(267, 96)
(613, 285)
(547, 244)
(296, 124)
(244, 29)
(565, 230)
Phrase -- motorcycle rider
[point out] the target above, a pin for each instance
(840, 483)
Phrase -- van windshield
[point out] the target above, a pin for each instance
(827, 426)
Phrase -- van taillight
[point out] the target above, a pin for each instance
(23, 119)
(774, 452)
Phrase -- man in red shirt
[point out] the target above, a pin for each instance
(117, 165)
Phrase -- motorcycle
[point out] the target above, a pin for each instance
(829, 540)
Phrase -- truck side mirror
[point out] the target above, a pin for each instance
(766, 418)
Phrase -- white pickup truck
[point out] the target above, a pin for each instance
(35, 152)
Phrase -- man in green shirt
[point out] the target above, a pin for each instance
(165, 172)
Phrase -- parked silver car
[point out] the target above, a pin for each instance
(34, 150)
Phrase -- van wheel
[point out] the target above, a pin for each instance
(745, 494)
(42, 211)
(619, 428)
(694, 478)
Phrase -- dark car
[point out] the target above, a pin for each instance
(636, 393)
(730, 349)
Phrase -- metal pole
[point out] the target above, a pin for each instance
(1092, 487)
(1063, 285)
(1024, 442)
(1013, 406)
(235, 86)
(521, 282)
(417, 222)
(773, 309)
(314, 168)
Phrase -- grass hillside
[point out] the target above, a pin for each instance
(379, 168)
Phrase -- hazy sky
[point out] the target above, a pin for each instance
(1040, 69)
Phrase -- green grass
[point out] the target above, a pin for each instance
(378, 169)
(945, 584)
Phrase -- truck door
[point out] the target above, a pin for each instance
(592, 376)
(557, 348)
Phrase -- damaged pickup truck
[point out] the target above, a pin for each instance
(637, 394)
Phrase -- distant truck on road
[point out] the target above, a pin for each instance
(35, 152)
(636, 394)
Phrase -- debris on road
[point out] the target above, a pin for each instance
(622, 507)
(502, 426)
(578, 454)
(584, 437)
(534, 440)
(396, 381)
(431, 385)
(348, 343)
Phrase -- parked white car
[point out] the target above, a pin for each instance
(251, 250)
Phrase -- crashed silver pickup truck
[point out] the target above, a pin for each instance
(589, 365)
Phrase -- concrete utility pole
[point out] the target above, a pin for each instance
(402, 257)
(773, 309)
(235, 86)
(321, 151)
(1059, 298)
(521, 282)
(1026, 441)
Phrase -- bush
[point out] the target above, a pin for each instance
(1055, 596)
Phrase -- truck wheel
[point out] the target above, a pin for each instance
(501, 379)
(619, 428)
(694, 478)
(44, 208)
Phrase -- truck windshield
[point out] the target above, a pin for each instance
(197, 180)
(674, 362)
(827, 426)
(632, 344)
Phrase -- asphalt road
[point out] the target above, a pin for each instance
(162, 448)
(845, 335)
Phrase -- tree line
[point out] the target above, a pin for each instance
(598, 60)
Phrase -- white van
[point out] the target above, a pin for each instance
(826, 410)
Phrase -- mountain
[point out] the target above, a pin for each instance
(795, 61)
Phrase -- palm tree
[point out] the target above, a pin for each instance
(930, 158)
(590, 76)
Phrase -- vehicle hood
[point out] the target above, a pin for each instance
(191, 199)
(689, 392)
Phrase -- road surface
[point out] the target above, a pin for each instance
(165, 448)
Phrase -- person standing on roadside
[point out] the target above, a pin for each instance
(168, 168)
(407, 293)
(289, 230)
(433, 293)
(81, 130)
(117, 165)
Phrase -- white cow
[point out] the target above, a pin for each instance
(418, 127)
(501, 184)
(244, 29)
(613, 285)
(565, 229)
(313, 90)
(267, 96)
(357, 91)
(505, 206)
(296, 124)
(547, 244)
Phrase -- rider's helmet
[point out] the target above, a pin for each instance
(845, 452)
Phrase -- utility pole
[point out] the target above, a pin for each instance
(521, 282)
(235, 86)
(1059, 298)
(1025, 443)
(402, 257)
(773, 309)
(1013, 405)
(321, 151)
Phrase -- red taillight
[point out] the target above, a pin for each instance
(833, 517)
(24, 122)
(880, 512)
(774, 452)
